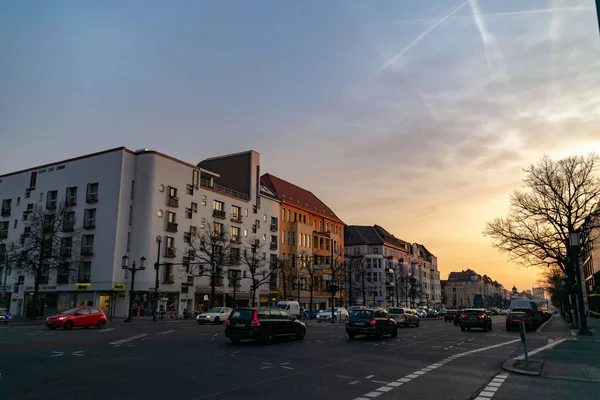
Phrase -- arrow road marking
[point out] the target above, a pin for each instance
(57, 354)
(78, 353)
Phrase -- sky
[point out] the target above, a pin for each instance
(418, 116)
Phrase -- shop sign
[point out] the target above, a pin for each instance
(119, 286)
(42, 288)
(82, 286)
(122, 296)
(263, 291)
(5, 288)
(206, 289)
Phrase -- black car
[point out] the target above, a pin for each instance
(475, 318)
(371, 323)
(449, 315)
(262, 325)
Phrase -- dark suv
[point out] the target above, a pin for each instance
(262, 324)
(475, 318)
(371, 323)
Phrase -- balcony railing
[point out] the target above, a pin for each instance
(236, 239)
(173, 201)
(71, 202)
(273, 246)
(205, 183)
(6, 212)
(68, 227)
(87, 251)
(273, 227)
(172, 226)
(219, 214)
(91, 198)
(236, 218)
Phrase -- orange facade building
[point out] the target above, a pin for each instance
(311, 246)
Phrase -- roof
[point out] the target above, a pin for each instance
(296, 196)
(372, 235)
(425, 253)
(462, 276)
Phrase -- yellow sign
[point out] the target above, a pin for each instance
(119, 286)
(82, 286)
(122, 296)
(327, 271)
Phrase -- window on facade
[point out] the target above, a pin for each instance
(62, 274)
(66, 244)
(169, 246)
(245, 232)
(188, 213)
(217, 228)
(203, 223)
(51, 199)
(265, 217)
(89, 218)
(3, 229)
(235, 233)
(87, 245)
(85, 272)
(69, 221)
(91, 195)
(71, 196)
(196, 178)
(283, 214)
(189, 189)
(218, 205)
(236, 212)
(234, 256)
(168, 273)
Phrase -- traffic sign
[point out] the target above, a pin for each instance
(326, 277)
(8, 316)
(327, 271)
(306, 314)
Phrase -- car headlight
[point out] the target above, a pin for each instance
(62, 318)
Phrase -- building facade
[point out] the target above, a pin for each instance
(129, 203)
(310, 246)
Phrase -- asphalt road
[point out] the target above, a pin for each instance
(182, 360)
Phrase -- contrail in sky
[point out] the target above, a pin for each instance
(412, 44)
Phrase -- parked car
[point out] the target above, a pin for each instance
(432, 314)
(514, 319)
(290, 307)
(449, 315)
(339, 314)
(216, 315)
(457, 315)
(475, 318)
(77, 317)
(263, 324)
(404, 316)
(367, 322)
(3, 316)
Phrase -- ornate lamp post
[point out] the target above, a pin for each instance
(133, 268)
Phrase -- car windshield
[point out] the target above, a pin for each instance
(2, 312)
(282, 306)
(245, 315)
(361, 314)
(396, 311)
(216, 310)
(70, 311)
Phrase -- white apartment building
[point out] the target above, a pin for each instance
(123, 200)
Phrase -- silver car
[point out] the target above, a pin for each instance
(404, 316)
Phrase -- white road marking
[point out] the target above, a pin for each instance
(57, 354)
(106, 330)
(385, 383)
(344, 376)
(354, 383)
(546, 347)
(369, 376)
(483, 395)
(78, 353)
(285, 363)
(490, 390)
(129, 339)
(286, 367)
(167, 332)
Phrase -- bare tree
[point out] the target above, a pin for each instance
(551, 281)
(49, 245)
(286, 277)
(337, 275)
(260, 268)
(209, 254)
(560, 196)
(309, 273)
(415, 289)
(402, 284)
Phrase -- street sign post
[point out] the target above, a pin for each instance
(8, 316)
(306, 314)
(524, 340)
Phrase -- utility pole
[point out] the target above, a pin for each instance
(156, 282)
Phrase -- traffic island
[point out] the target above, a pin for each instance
(518, 366)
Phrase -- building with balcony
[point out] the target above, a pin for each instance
(119, 202)
(310, 247)
(462, 288)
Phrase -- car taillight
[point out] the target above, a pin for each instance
(373, 322)
(463, 316)
(255, 321)
(227, 321)
(482, 316)
(404, 317)
(347, 322)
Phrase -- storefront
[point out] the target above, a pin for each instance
(202, 297)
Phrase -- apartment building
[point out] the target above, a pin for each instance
(426, 264)
(461, 288)
(311, 244)
(121, 202)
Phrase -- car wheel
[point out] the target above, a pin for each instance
(462, 328)
(395, 332)
(68, 325)
(101, 324)
(379, 334)
(86, 327)
(200, 323)
(52, 328)
(300, 335)
(351, 336)
(235, 340)
(216, 321)
(268, 336)
(417, 325)
(318, 320)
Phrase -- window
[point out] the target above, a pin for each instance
(62, 274)
(130, 214)
(189, 189)
(91, 194)
(69, 221)
(173, 200)
(15, 224)
(245, 212)
(273, 224)
(169, 246)
(168, 273)
(218, 228)
(41, 197)
(85, 272)
(245, 232)
(49, 220)
(6, 206)
(264, 236)
(265, 217)
(32, 180)
(236, 213)
(128, 241)
(188, 213)
(196, 178)
(87, 245)
(89, 218)
(203, 223)
(51, 199)
(171, 222)
(218, 209)
(3, 229)
(194, 207)
(283, 237)
(234, 256)
(132, 189)
(283, 214)
(66, 244)
(71, 196)
(235, 234)
(45, 274)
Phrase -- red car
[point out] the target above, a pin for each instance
(76, 317)
(514, 319)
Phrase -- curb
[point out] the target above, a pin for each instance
(539, 330)
(509, 366)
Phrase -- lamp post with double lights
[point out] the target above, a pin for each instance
(575, 244)
(133, 269)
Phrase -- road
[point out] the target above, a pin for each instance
(182, 360)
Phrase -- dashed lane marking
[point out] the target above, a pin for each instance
(167, 332)
(369, 376)
(490, 390)
(127, 340)
(399, 382)
(546, 347)
(106, 330)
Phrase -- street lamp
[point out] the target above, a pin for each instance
(156, 282)
(5, 255)
(133, 269)
(575, 243)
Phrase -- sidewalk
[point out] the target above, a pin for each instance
(570, 358)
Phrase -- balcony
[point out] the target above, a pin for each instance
(168, 279)
(237, 239)
(273, 227)
(173, 201)
(65, 253)
(273, 246)
(91, 198)
(87, 251)
(4, 234)
(172, 227)
(68, 227)
(170, 252)
(51, 205)
(235, 260)
(210, 185)
(71, 202)
(219, 214)
(89, 225)
(236, 218)
(5, 212)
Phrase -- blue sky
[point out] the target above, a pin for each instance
(417, 115)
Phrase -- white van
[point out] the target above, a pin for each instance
(290, 307)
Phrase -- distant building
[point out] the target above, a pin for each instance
(538, 293)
